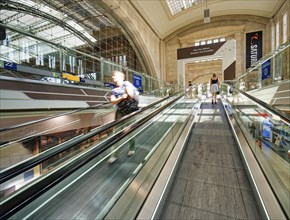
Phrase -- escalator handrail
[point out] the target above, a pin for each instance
(285, 117)
(27, 194)
(21, 167)
(260, 61)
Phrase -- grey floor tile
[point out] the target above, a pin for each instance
(211, 182)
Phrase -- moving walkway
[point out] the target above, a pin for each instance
(198, 140)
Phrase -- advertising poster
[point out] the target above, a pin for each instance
(266, 68)
(254, 45)
(137, 82)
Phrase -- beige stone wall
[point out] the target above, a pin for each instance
(284, 66)
(160, 55)
(229, 27)
(202, 71)
(146, 41)
(278, 18)
(170, 59)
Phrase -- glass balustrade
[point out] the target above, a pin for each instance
(27, 56)
(23, 143)
(268, 135)
(270, 70)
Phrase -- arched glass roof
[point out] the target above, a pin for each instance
(177, 6)
(74, 24)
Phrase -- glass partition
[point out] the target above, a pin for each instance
(21, 142)
(24, 143)
(105, 183)
(269, 70)
(268, 135)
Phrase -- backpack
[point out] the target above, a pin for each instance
(128, 106)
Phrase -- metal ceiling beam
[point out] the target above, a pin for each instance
(14, 6)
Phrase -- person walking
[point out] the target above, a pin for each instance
(214, 87)
(189, 90)
(124, 91)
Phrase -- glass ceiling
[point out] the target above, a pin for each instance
(177, 6)
(44, 28)
(77, 24)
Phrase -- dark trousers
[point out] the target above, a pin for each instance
(131, 142)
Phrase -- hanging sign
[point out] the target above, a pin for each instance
(198, 51)
(10, 66)
(253, 48)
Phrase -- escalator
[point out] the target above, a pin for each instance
(88, 174)
(189, 163)
(211, 181)
(224, 171)
(89, 192)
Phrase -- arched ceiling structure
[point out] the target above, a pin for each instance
(158, 16)
(91, 25)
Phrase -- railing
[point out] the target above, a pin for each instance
(271, 69)
(50, 140)
(71, 155)
(34, 56)
(267, 131)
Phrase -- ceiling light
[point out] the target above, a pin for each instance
(206, 17)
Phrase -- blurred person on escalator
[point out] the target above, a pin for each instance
(125, 98)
